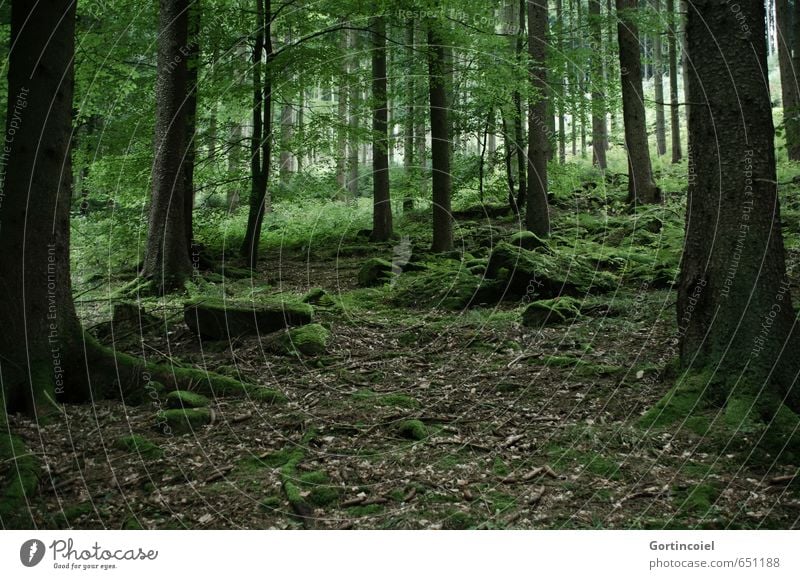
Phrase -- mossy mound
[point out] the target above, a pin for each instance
(267, 395)
(551, 312)
(136, 444)
(216, 320)
(185, 399)
(446, 286)
(183, 421)
(528, 240)
(310, 340)
(318, 297)
(412, 430)
(374, 272)
(545, 275)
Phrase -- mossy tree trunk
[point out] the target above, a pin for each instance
(440, 143)
(381, 201)
(641, 186)
(734, 308)
(193, 69)
(166, 261)
(537, 218)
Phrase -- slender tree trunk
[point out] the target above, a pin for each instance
(789, 80)
(192, 70)
(562, 129)
(354, 103)
(675, 121)
(734, 307)
(598, 87)
(641, 186)
(261, 141)
(382, 205)
(408, 124)
(286, 159)
(685, 65)
(658, 81)
(519, 117)
(234, 159)
(341, 133)
(166, 260)
(537, 219)
(440, 145)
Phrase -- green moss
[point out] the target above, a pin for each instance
(528, 240)
(458, 521)
(445, 284)
(323, 496)
(318, 297)
(140, 445)
(551, 312)
(685, 399)
(69, 515)
(185, 399)
(316, 477)
(132, 524)
(271, 503)
(412, 430)
(183, 421)
(499, 467)
(697, 500)
(267, 395)
(310, 340)
(21, 471)
(364, 510)
(374, 272)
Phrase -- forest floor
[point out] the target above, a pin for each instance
(414, 417)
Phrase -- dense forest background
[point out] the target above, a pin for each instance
(419, 264)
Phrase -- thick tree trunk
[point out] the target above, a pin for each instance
(440, 145)
(598, 87)
(537, 219)
(658, 81)
(674, 110)
(641, 187)
(166, 260)
(735, 310)
(261, 140)
(789, 80)
(381, 201)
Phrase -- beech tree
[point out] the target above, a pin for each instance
(382, 205)
(788, 25)
(440, 143)
(641, 186)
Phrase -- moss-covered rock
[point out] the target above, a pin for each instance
(182, 421)
(185, 399)
(412, 430)
(528, 240)
(137, 444)
(216, 320)
(19, 472)
(318, 297)
(267, 395)
(310, 340)
(545, 275)
(551, 312)
(446, 286)
(374, 272)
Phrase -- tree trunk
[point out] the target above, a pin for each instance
(381, 202)
(261, 140)
(408, 125)
(354, 102)
(537, 219)
(684, 8)
(234, 158)
(192, 71)
(675, 121)
(440, 145)
(658, 81)
(166, 260)
(641, 187)
(789, 89)
(341, 132)
(598, 87)
(734, 306)
(286, 159)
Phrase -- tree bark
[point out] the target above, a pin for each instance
(789, 89)
(658, 81)
(261, 140)
(598, 87)
(734, 307)
(408, 124)
(354, 103)
(341, 110)
(674, 110)
(537, 219)
(641, 187)
(192, 71)
(440, 145)
(166, 260)
(381, 201)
